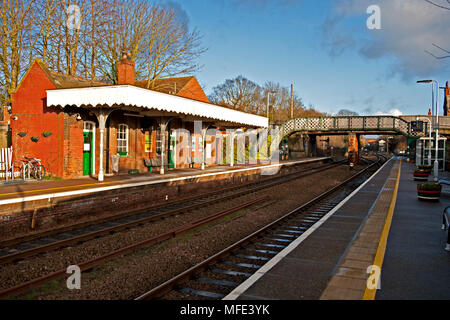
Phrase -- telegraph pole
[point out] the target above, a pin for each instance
(292, 101)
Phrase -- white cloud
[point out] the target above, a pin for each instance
(392, 112)
(408, 29)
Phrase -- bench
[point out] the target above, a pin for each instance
(446, 226)
(153, 163)
(443, 181)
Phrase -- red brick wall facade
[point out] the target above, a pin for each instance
(193, 90)
(34, 118)
(62, 152)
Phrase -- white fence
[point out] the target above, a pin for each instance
(5, 162)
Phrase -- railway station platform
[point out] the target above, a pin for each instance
(29, 191)
(381, 229)
(48, 203)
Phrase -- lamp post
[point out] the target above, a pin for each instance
(429, 132)
(436, 128)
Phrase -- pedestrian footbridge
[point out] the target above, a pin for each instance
(380, 125)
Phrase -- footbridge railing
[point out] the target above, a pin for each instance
(348, 124)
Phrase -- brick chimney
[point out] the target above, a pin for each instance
(125, 70)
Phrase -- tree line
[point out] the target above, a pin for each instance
(245, 95)
(88, 39)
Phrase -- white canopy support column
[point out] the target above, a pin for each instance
(230, 146)
(203, 148)
(205, 129)
(163, 128)
(102, 116)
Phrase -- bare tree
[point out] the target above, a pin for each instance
(435, 45)
(15, 25)
(170, 48)
(439, 5)
(159, 42)
(239, 93)
(243, 94)
(157, 38)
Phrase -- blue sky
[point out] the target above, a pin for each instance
(326, 50)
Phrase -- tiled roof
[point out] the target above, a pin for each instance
(169, 85)
(175, 86)
(62, 81)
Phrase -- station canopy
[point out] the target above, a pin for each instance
(151, 103)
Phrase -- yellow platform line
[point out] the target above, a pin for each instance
(100, 184)
(369, 294)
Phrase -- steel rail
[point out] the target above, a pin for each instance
(168, 286)
(131, 212)
(142, 244)
(109, 230)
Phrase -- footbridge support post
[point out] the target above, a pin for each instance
(353, 148)
(312, 146)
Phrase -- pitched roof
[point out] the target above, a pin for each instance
(169, 85)
(187, 87)
(175, 86)
(62, 81)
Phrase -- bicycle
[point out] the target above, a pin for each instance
(33, 167)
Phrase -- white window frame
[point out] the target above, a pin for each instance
(158, 139)
(126, 139)
(93, 130)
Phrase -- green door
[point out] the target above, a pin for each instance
(172, 152)
(87, 153)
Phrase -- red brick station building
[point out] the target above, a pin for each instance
(78, 127)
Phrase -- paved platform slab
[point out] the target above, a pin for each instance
(383, 223)
(416, 265)
(305, 268)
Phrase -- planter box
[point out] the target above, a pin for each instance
(429, 191)
(426, 169)
(421, 175)
(428, 195)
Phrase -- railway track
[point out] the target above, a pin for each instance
(87, 265)
(17, 249)
(218, 275)
(254, 187)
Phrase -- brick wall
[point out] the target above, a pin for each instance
(34, 118)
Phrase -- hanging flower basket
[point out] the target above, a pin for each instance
(35, 139)
(47, 134)
(421, 175)
(429, 191)
(22, 134)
